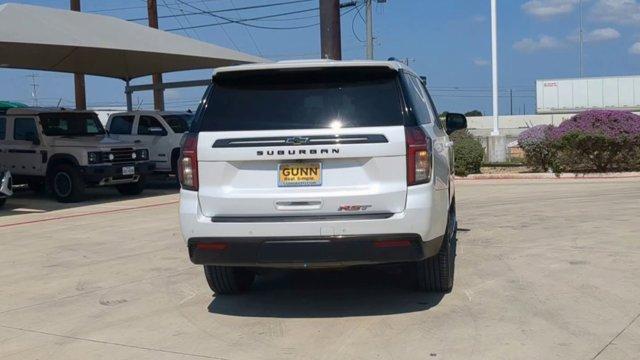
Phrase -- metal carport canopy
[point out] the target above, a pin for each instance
(41, 38)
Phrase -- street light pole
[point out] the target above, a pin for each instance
(494, 62)
(581, 42)
(369, 30)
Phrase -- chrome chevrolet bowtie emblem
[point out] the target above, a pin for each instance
(297, 140)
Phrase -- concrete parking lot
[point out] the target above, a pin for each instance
(546, 269)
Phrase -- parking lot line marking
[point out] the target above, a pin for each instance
(87, 214)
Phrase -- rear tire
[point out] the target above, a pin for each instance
(226, 280)
(435, 274)
(3, 200)
(132, 189)
(67, 184)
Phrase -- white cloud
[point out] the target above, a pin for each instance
(625, 12)
(479, 18)
(597, 35)
(545, 9)
(544, 42)
(480, 62)
(604, 34)
(635, 49)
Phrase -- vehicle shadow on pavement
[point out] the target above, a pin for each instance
(25, 201)
(351, 292)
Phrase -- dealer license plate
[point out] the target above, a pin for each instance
(299, 174)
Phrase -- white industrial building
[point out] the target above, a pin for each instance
(560, 99)
(575, 95)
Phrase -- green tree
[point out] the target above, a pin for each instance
(473, 113)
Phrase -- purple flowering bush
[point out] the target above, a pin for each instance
(597, 140)
(594, 140)
(536, 144)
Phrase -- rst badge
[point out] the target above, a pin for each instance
(354, 207)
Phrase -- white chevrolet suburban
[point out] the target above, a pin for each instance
(318, 163)
(67, 151)
(158, 131)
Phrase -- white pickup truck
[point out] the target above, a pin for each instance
(319, 164)
(158, 131)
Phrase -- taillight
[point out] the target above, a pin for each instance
(418, 156)
(188, 163)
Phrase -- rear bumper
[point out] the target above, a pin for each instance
(329, 242)
(312, 251)
(100, 173)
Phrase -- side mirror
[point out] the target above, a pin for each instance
(31, 136)
(455, 122)
(157, 131)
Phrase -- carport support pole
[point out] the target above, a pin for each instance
(158, 93)
(81, 97)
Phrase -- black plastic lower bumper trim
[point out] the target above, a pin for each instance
(311, 251)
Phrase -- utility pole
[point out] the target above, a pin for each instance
(494, 63)
(581, 42)
(330, 41)
(369, 30)
(78, 78)
(158, 94)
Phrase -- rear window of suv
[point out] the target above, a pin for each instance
(303, 99)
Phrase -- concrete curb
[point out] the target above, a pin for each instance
(542, 176)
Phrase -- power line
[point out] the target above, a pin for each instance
(353, 22)
(224, 30)
(209, 12)
(130, 8)
(255, 44)
(244, 21)
(178, 20)
(189, 23)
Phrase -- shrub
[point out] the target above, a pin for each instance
(468, 153)
(536, 144)
(597, 140)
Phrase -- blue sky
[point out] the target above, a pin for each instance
(446, 40)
